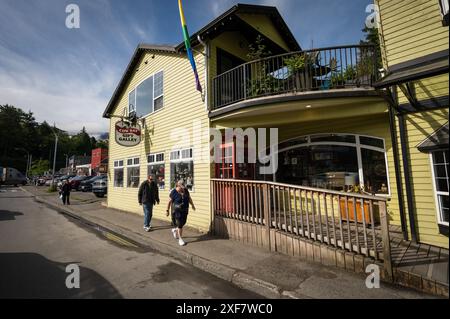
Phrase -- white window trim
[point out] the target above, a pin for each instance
(436, 193)
(358, 147)
(132, 166)
(158, 163)
(133, 158)
(155, 161)
(444, 6)
(154, 98)
(181, 160)
(123, 173)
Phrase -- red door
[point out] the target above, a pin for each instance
(225, 169)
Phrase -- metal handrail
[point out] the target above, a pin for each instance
(332, 67)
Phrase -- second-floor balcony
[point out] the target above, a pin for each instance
(322, 69)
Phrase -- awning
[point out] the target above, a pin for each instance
(438, 140)
(413, 73)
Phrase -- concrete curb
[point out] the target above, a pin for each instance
(221, 271)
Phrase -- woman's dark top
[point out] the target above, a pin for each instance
(178, 198)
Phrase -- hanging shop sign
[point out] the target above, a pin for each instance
(127, 134)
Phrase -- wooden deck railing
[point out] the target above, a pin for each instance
(349, 221)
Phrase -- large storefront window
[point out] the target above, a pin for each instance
(156, 168)
(182, 168)
(133, 172)
(118, 173)
(340, 162)
(440, 162)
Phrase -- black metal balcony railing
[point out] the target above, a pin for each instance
(312, 70)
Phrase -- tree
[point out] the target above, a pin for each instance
(39, 167)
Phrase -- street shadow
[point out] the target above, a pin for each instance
(8, 215)
(32, 276)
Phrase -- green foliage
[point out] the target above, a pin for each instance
(258, 50)
(298, 62)
(21, 135)
(39, 167)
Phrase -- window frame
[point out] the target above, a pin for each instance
(435, 191)
(444, 7)
(135, 89)
(117, 167)
(155, 162)
(182, 159)
(134, 165)
(357, 145)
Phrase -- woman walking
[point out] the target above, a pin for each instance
(179, 201)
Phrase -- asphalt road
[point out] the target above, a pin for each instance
(37, 244)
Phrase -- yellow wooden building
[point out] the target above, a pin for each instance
(330, 106)
(414, 39)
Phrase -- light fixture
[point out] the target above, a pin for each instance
(309, 106)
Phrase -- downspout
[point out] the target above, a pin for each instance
(398, 176)
(406, 171)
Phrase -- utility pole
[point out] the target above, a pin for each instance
(54, 155)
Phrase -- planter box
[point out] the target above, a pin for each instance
(359, 216)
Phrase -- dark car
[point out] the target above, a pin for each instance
(76, 181)
(100, 187)
(86, 185)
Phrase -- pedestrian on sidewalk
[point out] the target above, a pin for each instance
(148, 197)
(65, 192)
(179, 202)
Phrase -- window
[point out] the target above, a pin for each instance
(156, 167)
(182, 167)
(133, 172)
(148, 96)
(444, 11)
(118, 173)
(440, 163)
(159, 91)
(341, 162)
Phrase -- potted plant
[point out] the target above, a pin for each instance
(300, 67)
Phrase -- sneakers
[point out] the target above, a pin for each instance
(147, 229)
(174, 233)
(181, 242)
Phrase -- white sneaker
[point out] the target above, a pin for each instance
(147, 229)
(174, 233)
(181, 242)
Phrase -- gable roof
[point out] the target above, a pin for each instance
(272, 12)
(208, 31)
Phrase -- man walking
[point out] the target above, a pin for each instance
(148, 196)
(65, 192)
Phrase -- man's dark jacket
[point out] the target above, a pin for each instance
(148, 193)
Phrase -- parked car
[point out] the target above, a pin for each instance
(76, 181)
(86, 185)
(100, 187)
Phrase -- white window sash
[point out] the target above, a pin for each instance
(437, 193)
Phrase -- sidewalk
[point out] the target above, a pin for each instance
(269, 274)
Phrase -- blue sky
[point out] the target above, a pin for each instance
(67, 76)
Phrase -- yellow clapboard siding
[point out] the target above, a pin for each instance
(411, 29)
(179, 96)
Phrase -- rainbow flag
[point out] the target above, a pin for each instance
(187, 42)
